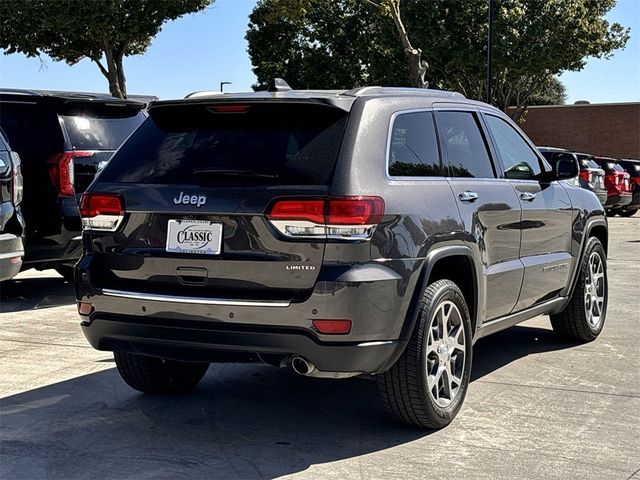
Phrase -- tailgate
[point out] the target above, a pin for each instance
(196, 183)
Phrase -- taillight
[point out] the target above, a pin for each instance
(61, 171)
(101, 211)
(335, 218)
(586, 176)
(17, 178)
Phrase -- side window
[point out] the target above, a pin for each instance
(520, 161)
(414, 147)
(466, 149)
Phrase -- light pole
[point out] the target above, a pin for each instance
(490, 54)
(222, 84)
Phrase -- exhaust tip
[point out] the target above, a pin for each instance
(301, 366)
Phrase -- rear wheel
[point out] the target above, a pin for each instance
(612, 212)
(428, 383)
(629, 213)
(158, 375)
(584, 316)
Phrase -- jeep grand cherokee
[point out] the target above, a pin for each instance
(374, 231)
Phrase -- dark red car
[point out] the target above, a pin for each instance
(618, 183)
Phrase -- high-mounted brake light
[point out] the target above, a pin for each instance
(101, 211)
(61, 171)
(229, 108)
(334, 218)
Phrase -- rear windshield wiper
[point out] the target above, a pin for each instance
(244, 174)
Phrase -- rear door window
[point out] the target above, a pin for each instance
(88, 132)
(413, 150)
(290, 144)
(519, 160)
(466, 149)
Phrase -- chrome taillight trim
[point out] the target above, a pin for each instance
(321, 232)
(86, 223)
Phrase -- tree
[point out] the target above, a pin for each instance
(347, 43)
(553, 93)
(104, 31)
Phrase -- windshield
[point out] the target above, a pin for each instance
(272, 144)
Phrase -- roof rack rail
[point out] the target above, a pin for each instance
(377, 90)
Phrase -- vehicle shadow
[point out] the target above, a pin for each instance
(28, 293)
(495, 351)
(243, 421)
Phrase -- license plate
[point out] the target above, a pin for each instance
(194, 236)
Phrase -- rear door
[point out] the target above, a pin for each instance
(488, 206)
(546, 215)
(197, 172)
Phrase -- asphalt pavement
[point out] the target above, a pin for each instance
(537, 407)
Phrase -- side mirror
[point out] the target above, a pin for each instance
(565, 168)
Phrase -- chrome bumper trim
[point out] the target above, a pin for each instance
(193, 300)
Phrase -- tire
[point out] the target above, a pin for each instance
(404, 388)
(67, 273)
(612, 212)
(578, 321)
(629, 213)
(157, 375)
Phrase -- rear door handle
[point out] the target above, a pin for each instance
(528, 196)
(468, 196)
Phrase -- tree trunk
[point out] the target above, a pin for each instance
(112, 74)
(122, 82)
(417, 66)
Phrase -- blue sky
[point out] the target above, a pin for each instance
(198, 51)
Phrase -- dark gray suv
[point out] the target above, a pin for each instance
(375, 231)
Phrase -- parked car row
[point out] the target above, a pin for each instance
(616, 182)
(63, 139)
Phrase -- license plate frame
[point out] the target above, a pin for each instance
(195, 237)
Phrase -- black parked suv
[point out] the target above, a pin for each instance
(11, 221)
(591, 175)
(374, 231)
(63, 139)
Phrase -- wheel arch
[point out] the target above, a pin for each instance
(445, 263)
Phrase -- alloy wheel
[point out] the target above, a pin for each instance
(594, 290)
(446, 352)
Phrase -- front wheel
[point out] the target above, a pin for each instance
(583, 317)
(158, 375)
(428, 383)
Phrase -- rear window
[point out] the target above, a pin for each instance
(88, 132)
(589, 164)
(266, 143)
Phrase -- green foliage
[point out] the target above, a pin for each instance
(348, 43)
(70, 30)
(552, 93)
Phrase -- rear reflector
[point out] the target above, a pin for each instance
(333, 327)
(61, 171)
(85, 308)
(337, 218)
(101, 211)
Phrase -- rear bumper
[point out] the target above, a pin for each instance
(11, 253)
(635, 201)
(618, 200)
(374, 297)
(201, 341)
